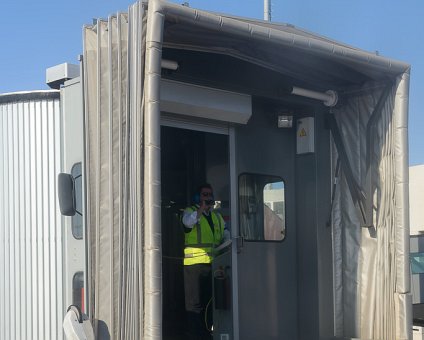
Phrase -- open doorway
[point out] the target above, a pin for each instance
(189, 158)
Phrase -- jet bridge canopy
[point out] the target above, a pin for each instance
(122, 73)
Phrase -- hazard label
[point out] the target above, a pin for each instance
(302, 133)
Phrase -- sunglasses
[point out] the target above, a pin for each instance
(207, 194)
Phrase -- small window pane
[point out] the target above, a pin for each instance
(77, 230)
(262, 207)
(417, 263)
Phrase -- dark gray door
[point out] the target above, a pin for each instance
(266, 261)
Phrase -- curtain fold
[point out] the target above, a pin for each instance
(113, 79)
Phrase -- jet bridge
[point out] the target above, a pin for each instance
(320, 232)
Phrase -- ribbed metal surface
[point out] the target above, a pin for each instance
(30, 223)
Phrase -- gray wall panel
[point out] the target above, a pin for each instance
(30, 223)
(307, 262)
(314, 243)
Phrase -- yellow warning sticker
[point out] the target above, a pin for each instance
(302, 133)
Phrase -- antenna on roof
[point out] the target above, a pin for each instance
(267, 10)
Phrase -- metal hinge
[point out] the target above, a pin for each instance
(239, 243)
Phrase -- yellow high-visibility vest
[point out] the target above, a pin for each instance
(200, 241)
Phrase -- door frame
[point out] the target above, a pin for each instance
(189, 123)
(234, 230)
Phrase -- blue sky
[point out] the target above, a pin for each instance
(35, 35)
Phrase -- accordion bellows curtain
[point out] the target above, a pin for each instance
(114, 54)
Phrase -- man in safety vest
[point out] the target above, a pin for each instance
(204, 230)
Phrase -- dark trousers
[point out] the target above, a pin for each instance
(198, 293)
